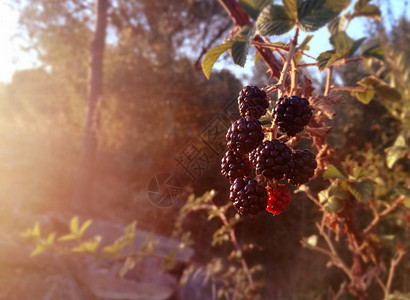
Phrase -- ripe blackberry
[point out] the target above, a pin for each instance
(304, 167)
(252, 102)
(278, 200)
(292, 114)
(235, 165)
(247, 196)
(244, 135)
(272, 159)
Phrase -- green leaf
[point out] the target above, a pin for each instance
(253, 7)
(323, 196)
(334, 204)
(388, 93)
(38, 250)
(274, 20)
(291, 8)
(68, 237)
(356, 45)
(370, 11)
(359, 173)
(90, 246)
(50, 239)
(336, 25)
(168, 262)
(333, 172)
(364, 96)
(325, 59)
(311, 241)
(376, 51)
(400, 141)
(362, 189)
(406, 202)
(240, 52)
(314, 14)
(397, 151)
(84, 227)
(304, 44)
(74, 225)
(257, 57)
(341, 41)
(212, 56)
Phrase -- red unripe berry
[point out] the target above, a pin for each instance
(278, 200)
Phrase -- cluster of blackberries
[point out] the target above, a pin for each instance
(270, 159)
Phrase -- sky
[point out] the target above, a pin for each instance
(13, 58)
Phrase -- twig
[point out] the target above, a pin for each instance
(378, 215)
(269, 45)
(306, 66)
(336, 257)
(394, 262)
(232, 236)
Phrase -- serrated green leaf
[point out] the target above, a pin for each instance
(368, 10)
(240, 51)
(334, 204)
(314, 14)
(291, 8)
(359, 173)
(364, 96)
(332, 172)
(356, 45)
(326, 59)
(253, 7)
(361, 189)
(336, 25)
(388, 93)
(274, 20)
(74, 225)
(376, 51)
(341, 41)
(212, 56)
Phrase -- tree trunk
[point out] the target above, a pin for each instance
(82, 196)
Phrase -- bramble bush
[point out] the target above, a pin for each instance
(363, 195)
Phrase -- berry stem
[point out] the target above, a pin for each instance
(287, 64)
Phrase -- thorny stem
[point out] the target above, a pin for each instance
(328, 81)
(284, 73)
